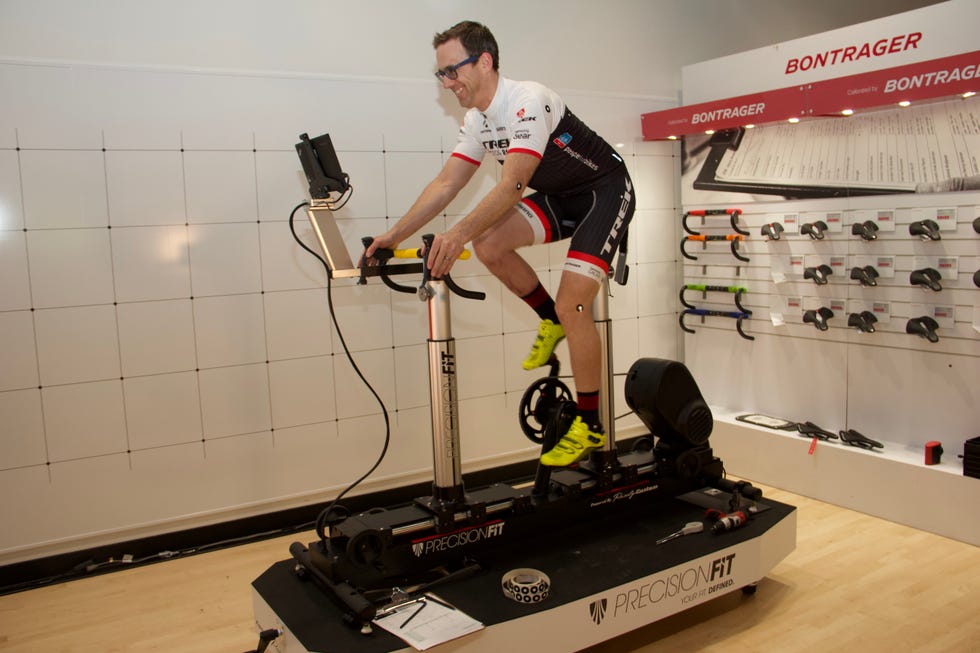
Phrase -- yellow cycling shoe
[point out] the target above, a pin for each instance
(574, 446)
(549, 335)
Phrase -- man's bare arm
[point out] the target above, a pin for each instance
(517, 171)
(434, 198)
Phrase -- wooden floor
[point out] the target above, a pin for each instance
(854, 583)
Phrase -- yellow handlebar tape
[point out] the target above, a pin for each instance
(417, 253)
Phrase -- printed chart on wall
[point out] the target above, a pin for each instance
(931, 147)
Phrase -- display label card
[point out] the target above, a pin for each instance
(839, 265)
(835, 222)
(946, 219)
(948, 266)
(777, 318)
(885, 266)
(944, 315)
(838, 306)
(886, 220)
(795, 265)
(791, 222)
(882, 311)
(793, 304)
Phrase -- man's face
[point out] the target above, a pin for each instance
(469, 83)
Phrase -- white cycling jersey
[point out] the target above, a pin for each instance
(531, 118)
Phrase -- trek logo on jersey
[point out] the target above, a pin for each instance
(563, 140)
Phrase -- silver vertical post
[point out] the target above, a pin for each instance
(600, 315)
(443, 397)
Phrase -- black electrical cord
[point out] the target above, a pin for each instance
(325, 515)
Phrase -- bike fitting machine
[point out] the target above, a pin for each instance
(360, 560)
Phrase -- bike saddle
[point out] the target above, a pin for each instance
(864, 321)
(811, 430)
(819, 317)
(819, 274)
(927, 278)
(867, 230)
(866, 276)
(855, 439)
(772, 230)
(924, 326)
(927, 229)
(814, 229)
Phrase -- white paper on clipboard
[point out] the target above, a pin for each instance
(427, 622)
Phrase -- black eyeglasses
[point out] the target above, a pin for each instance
(449, 72)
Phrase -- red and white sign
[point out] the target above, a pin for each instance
(917, 55)
(934, 32)
(913, 83)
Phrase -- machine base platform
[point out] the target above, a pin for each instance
(608, 580)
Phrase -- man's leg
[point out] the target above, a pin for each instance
(574, 307)
(574, 304)
(496, 250)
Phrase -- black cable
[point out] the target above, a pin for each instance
(324, 516)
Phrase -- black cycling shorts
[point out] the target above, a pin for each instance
(595, 220)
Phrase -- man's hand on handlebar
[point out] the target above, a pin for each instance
(384, 241)
(446, 248)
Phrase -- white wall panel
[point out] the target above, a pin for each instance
(150, 263)
(235, 400)
(285, 265)
(22, 416)
(297, 324)
(145, 188)
(77, 344)
(220, 186)
(156, 337)
(18, 350)
(84, 420)
(63, 189)
(353, 398)
(11, 206)
(15, 293)
(229, 330)
(224, 258)
(70, 267)
(162, 410)
(302, 391)
(411, 376)
(300, 458)
(480, 366)
(406, 174)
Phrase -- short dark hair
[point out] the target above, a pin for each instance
(474, 37)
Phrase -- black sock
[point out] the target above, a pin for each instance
(587, 405)
(542, 303)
